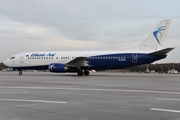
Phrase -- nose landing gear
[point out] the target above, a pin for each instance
(20, 72)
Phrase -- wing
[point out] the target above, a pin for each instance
(78, 62)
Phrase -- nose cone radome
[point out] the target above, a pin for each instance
(6, 63)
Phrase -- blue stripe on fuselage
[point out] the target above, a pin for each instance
(117, 61)
(43, 67)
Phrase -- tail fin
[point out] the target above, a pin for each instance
(155, 41)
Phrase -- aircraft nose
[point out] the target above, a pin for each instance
(5, 63)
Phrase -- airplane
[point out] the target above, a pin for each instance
(81, 62)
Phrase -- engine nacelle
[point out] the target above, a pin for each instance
(57, 67)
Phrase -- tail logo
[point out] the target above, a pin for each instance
(158, 31)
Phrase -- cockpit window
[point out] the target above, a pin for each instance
(12, 58)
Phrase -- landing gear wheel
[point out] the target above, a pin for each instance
(80, 73)
(86, 72)
(20, 72)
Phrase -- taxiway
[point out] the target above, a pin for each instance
(100, 96)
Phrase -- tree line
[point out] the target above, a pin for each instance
(161, 67)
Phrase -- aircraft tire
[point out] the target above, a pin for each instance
(86, 73)
(80, 73)
(20, 72)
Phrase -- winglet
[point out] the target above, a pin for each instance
(162, 52)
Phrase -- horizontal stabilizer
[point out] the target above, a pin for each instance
(162, 52)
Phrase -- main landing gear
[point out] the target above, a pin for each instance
(20, 72)
(81, 73)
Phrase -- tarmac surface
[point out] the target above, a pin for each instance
(100, 96)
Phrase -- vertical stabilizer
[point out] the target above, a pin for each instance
(155, 41)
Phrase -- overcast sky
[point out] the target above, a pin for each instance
(49, 25)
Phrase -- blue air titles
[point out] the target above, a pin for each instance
(42, 55)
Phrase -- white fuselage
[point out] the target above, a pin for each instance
(48, 57)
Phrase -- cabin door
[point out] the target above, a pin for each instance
(21, 60)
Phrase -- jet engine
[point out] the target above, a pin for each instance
(57, 67)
